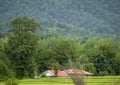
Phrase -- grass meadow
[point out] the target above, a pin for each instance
(90, 80)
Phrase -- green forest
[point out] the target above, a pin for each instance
(71, 19)
(37, 35)
(24, 53)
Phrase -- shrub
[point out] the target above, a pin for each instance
(11, 81)
(103, 73)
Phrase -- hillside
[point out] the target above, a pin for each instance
(76, 19)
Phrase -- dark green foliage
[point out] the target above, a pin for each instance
(100, 56)
(54, 53)
(64, 50)
(22, 46)
(102, 65)
(4, 71)
(5, 64)
(95, 55)
(5, 67)
(102, 53)
(103, 73)
(24, 24)
(30, 54)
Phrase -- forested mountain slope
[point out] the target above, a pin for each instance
(77, 19)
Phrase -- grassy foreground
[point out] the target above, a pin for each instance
(91, 80)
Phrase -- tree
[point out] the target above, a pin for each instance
(54, 53)
(64, 50)
(22, 46)
(117, 60)
(103, 56)
(4, 71)
(24, 24)
(5, 65)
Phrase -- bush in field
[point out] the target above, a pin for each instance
(11, 81)
(103, 73)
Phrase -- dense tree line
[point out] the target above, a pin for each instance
(23, 53)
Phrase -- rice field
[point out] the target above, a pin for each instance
(90, 80)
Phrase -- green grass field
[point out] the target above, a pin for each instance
(91, 80)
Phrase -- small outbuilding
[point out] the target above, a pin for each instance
(49, 73)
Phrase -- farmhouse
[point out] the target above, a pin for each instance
(77, 72)
(53, 72)
(49, 73)
(66, 73)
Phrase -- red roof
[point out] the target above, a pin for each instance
(62, 73)
(52, 70)
(59, 73)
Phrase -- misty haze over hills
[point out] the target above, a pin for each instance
(77, 19)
